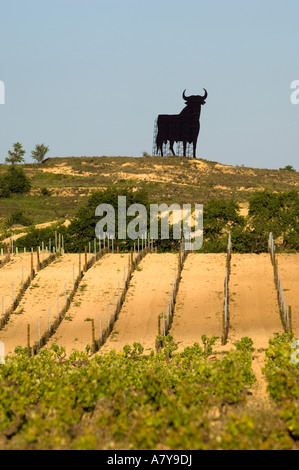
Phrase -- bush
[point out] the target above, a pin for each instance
(45, 192)
(82, 228)
(17, 218)
(277, 213)
(14, 181)
(35, 236)
(288, 168)
(4, 187)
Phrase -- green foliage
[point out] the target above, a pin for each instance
(18, 218)
(220, 217)
(14, 181)
(268, 212)
(282, 374)
(16, 155)
(277, 213)
(288, 168)
(35, 237)
(4, 187)
(45, 192)
(124, 400)
(82, 228)
(38, 154)
(245, 344)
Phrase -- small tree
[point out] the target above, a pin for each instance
(39, 152)
(16, 155)
(288, 168)
(17, 181)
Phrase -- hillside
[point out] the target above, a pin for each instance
(168, 179)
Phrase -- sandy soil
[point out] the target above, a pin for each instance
(289, 274)
(38, 226)
(42, 294)
(146, 298)
(95, 291)
(244, 209)
(200, 298)
(64, 169)
(11, 273)
(253, 300)
(259, 394)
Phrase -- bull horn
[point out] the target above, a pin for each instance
(205, 95)
(184, 96)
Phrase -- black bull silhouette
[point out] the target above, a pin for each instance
(183, 127)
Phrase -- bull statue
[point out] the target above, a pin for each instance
(183, 127)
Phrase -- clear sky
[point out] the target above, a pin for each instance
(89, 77)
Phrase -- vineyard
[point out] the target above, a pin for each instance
(149, 350)
(97, 288)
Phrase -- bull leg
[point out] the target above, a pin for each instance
(160, 147)
(184, 148)
(194, 149)
(171, 142)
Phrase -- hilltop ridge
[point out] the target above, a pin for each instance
(70, 180)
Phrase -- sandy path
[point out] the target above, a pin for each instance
(41, 295)
(11, 273)
(253, 300)
(38, 226)
(199, 303)
(95, 291)
(289, 274)
(146, 298)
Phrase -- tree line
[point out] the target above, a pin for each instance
(268, 212)
(16, 155)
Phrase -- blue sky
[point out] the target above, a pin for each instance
(89, 77)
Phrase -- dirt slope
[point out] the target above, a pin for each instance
(95, 291)
(11, 273)
(199, 304)
(146, 298)
(253, 299)
(41, 295)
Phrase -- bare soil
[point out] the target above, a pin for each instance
(253, 304)
(199, 304)
(146, 298)
(95, 292)
(42, 294)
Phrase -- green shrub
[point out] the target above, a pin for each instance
(282, 374)
(18, 218)
(45, 192)
(14, 181)
(4, 187)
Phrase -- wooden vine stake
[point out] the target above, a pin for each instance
(93, 335)
(38, 260)
(85, 257)
(132, 257)
(290, 320)
(32, 269)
